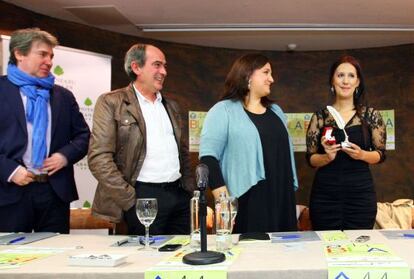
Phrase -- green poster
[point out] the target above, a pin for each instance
(195, 123)
(389, 120)
(297, 125)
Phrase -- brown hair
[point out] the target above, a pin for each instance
(22, 40)
(237, 80)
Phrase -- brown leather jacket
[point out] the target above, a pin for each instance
(117, 151)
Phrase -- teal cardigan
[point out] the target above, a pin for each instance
(230, 136)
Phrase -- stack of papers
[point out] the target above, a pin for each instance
(97, 259)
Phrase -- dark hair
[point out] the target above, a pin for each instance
(136, 53)
(237, 80)
(359, 98)
(22, 41)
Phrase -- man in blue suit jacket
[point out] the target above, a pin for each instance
(42, 134)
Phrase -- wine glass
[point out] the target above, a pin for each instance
(146, 211)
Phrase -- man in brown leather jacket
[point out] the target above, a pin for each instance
(137, 149)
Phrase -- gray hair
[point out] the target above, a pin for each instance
(22, 40)
(136, 53)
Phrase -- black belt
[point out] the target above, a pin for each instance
(173, 184)
(41, 178)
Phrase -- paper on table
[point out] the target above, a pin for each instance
(398, 234)
(12, 258)
(288, 237)
(183, 240)
(333, 236)
(174, 268)
(129, 241)
(97, 259)
(364, 261)
(24, 237)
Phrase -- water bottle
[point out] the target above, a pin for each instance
(195, 223)
(223, 223)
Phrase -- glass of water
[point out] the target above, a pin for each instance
(146, 211)
(233, 210)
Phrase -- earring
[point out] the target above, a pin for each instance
(332, 89)
(356, 92)
(249, 84)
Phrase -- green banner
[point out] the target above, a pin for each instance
(195, 123)
(389, 120)
(297, 125)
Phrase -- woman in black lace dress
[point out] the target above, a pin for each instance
(343, 194)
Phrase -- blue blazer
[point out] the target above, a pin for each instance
(70, 136)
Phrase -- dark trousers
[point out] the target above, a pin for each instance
(173, 216)
(39, 210)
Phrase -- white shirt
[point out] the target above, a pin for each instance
(27, 156)
(161, 163)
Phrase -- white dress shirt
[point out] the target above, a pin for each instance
(161, 163)
(27, 156)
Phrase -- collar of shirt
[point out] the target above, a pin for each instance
(142, 99)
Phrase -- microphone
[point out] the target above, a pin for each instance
(203, 256)
(202, 176)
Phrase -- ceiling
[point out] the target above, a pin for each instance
(246, 24)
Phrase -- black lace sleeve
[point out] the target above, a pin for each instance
(378, 132)
(313, 135)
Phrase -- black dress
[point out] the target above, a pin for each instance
(270, 205)
(343, 195)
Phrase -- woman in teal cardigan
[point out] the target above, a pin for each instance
(245, 144)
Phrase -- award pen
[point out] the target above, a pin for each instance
(153, 239)
(122, 242)
(289, 236)
(158, 238)
(410, 235)
(16, 240)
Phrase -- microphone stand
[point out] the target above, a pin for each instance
(203, 257)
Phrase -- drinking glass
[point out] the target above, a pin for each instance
(146, 211)
(233, 210)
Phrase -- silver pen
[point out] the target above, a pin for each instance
(122, 242)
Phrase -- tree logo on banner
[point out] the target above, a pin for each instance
(58, 71)
(88, 102)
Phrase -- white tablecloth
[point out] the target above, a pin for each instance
(257, 260)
